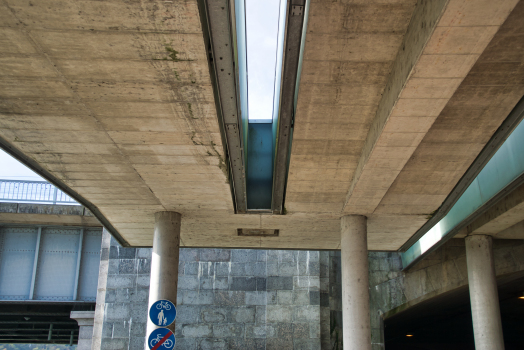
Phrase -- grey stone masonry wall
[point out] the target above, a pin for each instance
(227, 299)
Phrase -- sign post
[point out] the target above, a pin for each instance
(162, 313)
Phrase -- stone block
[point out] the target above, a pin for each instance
(261, 284)
(188, 254)
(247, 344)
(215, 255)
(307, 313)
(230, 298)
(287, 255)
(188, 282)
(324, 299)
(272, 297)
(187, 314)
(301, 330)
(306, 344)
(143, 281)
(279, 283)
(206, 268)
(222, 269)
(255, 269)
(191, 268)
(114, 344)
(126, 253)
(237, 269)
(127, 266)
(144, 253)
(261, 255)
(324, 284)
(143, 266)
(306, 282)
(285, 297)
(121, 281)
(218, 283)
(107, 329)
(8, 207)
(243, 283)
(301, 297)
(138, 329)
(314, 330)
(181, 268)
(212, 344)
(279, 313)
(184, 343)
(215, 314)
(243, 314)
(260, 315)
(228, 330)
(288, 268)
(314, 298)
(256, 298)
(260, 331)
(110, 296)
(196, 330)
(190, 297)
(272, 268)
(137, 343)
(284, 331)
(278, 344)
(132, 295)
(314, 268)
(243, 255)
(112, 268)
(120, 329)
(139, 310)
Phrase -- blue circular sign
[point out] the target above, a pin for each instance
(161, 339)
(162, 313)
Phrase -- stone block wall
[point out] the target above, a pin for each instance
(227, 299)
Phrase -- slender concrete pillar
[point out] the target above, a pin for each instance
(164, 262)
(355, 285)
(485, 309)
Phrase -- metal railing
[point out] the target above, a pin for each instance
(32, 192)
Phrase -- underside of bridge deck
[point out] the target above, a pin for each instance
(116, 102)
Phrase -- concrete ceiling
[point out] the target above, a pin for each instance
(396, 100)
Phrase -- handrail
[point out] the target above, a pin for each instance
(32, 192)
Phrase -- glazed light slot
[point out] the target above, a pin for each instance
(266, 85)
(265, 22)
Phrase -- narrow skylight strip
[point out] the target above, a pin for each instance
(264, 27)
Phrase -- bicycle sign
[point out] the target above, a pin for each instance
(161, 339)
(162, 313)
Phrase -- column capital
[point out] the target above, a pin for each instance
(84, 318)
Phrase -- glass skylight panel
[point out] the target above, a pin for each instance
(265, 21)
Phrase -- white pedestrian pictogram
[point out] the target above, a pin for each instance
(161, 319)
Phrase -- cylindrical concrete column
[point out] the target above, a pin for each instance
(485, 309)
(164, 262)
(355, 285)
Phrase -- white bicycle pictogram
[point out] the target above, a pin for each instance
(163, 305)
(168, 344)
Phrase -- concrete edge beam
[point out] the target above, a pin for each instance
(416, 92)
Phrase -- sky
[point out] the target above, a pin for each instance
(11, 169)
(262, 19)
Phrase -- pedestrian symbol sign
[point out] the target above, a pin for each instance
(162, 313)
(161, 339)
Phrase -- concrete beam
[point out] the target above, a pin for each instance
(46, 214)
(442, 43)
(503, 215)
